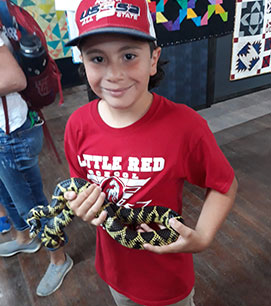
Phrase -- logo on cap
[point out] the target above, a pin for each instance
(108, 8)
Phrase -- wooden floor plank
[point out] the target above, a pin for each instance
(12, 282)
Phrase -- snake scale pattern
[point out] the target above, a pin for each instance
(116, 224)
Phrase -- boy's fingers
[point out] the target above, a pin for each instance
(179, 227)
(70, 195)
(93, 193)
(171, 248)
(152, 248)
(89, 208)
(81, 198)
(91, 212)
(144, 228)
(100, 219)
(174, 247)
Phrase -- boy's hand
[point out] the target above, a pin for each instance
(189, 241)
(215, 209)
(87, 204)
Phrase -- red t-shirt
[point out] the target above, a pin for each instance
(146, 163)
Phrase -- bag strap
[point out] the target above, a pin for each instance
(5, 107)
(57, 74)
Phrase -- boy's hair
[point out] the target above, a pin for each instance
(160, 73)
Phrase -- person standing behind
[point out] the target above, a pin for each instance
(21, 186)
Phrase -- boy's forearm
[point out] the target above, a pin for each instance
(215, 209)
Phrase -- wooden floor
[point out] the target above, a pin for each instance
(234, 271)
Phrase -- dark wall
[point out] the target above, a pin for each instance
(186, 73)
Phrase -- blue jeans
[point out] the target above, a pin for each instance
(20, 181)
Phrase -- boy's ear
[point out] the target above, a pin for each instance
(154, 60)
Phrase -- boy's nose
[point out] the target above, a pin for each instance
(114, 72)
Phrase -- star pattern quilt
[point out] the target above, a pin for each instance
(251, 48)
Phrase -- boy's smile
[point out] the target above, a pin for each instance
(118, 69)
(117, 92)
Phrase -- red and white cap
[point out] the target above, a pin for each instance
(130, 17)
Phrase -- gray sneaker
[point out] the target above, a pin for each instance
(13, 247)
(53, 277)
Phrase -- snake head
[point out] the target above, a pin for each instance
(35, 227)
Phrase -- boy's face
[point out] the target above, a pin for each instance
(118, 69)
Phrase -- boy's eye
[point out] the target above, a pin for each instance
(97, 59)
(129, 56)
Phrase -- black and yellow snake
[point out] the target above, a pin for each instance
(60, 214)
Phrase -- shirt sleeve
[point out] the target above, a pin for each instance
(207, 166)
(71, 150)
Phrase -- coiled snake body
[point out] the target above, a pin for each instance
(52, 234)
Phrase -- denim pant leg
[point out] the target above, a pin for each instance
(11, 210)
(21, 184)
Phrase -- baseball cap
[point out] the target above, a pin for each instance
(131, 17)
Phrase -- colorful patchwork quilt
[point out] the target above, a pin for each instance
(251, 49)
(52, 22)
(178, 21)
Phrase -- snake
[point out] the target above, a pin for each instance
(118, 223)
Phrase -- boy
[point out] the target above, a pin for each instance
(137, 148)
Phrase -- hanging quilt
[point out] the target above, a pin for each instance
(251, 49)
(52, 22)
(178, 21)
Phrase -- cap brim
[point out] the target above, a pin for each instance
(111, 30)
